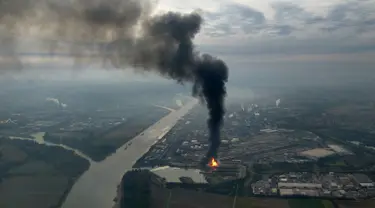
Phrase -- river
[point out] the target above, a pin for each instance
(39, 138)
(97, 187)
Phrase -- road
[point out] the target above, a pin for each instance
(96, 188)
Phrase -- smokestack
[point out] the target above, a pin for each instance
(278, 102)
(125, 34)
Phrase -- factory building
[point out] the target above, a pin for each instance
(298, 192)
(230, 171)
(299, 185)
(363, 180)
(336, 185)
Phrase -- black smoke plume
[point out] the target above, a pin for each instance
(125, 34)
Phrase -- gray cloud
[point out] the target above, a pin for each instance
(290, 46)
(343, 28)
(353, 15)
(283, 30)
(247, 14)
(357, 15)
(251, 21)
(287, 11)
(223, 22)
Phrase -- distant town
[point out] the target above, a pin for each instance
(331, 185)
(273, 148)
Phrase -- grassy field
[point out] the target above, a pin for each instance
(340, 163)
(261, 203)
(189, 199)
(177, 198)
(327, 204)
(309, 203)
(33, 168)
(12, 154)
(34, 175)
(24, 191)
(356, 204)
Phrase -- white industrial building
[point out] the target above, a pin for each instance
(300, 185)
(363, 180)
(298, 192)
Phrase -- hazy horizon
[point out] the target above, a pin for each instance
(271, 40)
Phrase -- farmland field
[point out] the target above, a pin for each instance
(356, 204)
(327, 204)
(305, 203)
(41, 191)
(33, 167)
(310, 203)
(263, 203)
(34, 175)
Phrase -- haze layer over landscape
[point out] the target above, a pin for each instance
(82, 93)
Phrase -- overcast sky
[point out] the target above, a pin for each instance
(284, 30)
(314, 35)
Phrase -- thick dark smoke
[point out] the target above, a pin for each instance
(212, 75)
(125, 34)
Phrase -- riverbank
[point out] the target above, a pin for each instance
(38, 138)
(28, 167)
(96, 188)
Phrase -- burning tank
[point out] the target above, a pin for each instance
(213, 163)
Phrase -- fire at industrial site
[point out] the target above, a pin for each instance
(213, 163)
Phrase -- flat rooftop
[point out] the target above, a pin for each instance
(172, 175)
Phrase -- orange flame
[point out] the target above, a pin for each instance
(213, 163)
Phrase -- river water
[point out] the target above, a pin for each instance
(96, 188)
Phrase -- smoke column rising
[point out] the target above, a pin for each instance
(124, 34)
